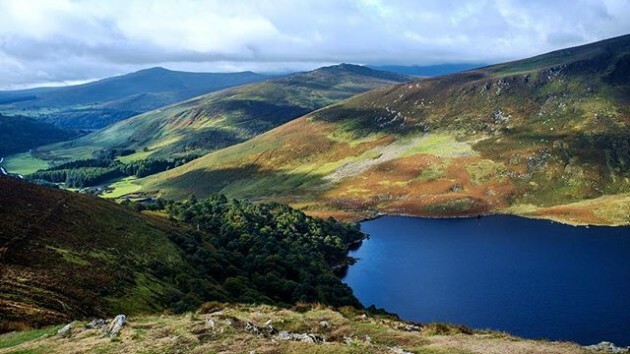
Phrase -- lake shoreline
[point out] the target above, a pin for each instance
(496, 269)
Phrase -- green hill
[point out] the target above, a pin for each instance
(97, 104)
(69, 256)
(224, 118)
(545, 137)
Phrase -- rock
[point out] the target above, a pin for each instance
(65, 331)
(607, 347)
(411, 328)
(399, 351)
(456, 187)
(96, 324)
(252, 328)
(210, 323)
(301, 337)
(116, 325)
(324, 324)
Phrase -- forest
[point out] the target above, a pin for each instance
(259, 253)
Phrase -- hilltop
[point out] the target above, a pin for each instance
(97, 104)
(224, 118)
(542, 137)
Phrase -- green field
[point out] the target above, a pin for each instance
(24, 163)
(120, 188)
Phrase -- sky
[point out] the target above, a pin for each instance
(46, 42)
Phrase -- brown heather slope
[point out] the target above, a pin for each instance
(526, 137)
(64, 256)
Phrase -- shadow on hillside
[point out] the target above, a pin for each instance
(249, 182)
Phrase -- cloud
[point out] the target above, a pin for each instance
(54, 41)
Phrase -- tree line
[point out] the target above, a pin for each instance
(103, 168)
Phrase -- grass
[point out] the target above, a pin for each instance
(121, 188)
(346, 330)
(69, 256)
(24, 163)
(16, 338)
(450, 207)
(139, 155)
(442, 145)
(485, 171)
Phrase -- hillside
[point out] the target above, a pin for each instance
(19, 134)
(225, 118)
(544, 137)
(219, 328)
(68, 256)
(97, 104)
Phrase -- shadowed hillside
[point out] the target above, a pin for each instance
(546, 136)
(69, 256)
(97, 104)
(19, 134)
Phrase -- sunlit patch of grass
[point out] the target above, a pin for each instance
(442, 145)
(139, 155)
(120, 188)
(24, 163)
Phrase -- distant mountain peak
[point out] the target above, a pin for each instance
(361, 70)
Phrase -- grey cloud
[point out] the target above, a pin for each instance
(61, 40)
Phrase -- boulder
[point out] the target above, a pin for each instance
(116, 325)
(65, 331)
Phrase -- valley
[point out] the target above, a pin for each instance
(240, 212)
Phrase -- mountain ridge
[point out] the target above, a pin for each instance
(519, 137)
(220, 119)
(98, 103)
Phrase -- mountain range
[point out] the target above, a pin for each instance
(97, 104)
(227, 117)
(543, 137)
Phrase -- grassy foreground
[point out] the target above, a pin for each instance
(248, 329)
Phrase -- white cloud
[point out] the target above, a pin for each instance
(53, 41)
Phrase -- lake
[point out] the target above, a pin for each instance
(531, 278)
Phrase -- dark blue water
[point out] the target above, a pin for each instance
(531, 278)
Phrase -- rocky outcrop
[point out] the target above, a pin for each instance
(607, 347)
(301, 337)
